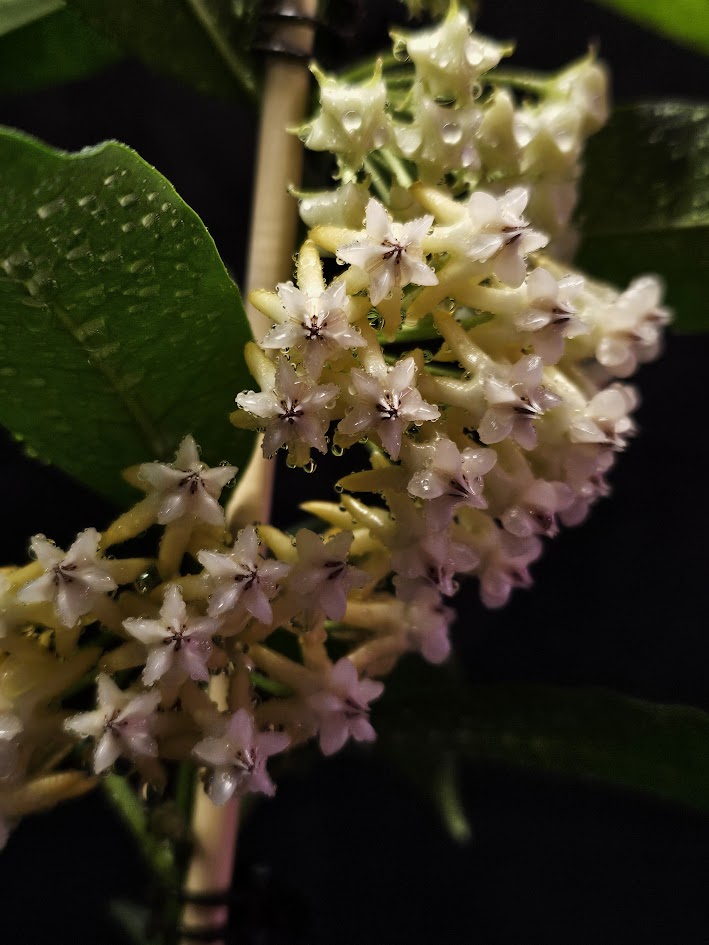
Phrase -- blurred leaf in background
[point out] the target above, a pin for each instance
(645, 203)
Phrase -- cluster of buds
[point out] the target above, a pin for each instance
(484, 376)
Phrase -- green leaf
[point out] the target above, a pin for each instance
(686, 21)
(645, 203)
(120, 329)
(58, 48)
(429, 717)
(17, 13)
(205, 43)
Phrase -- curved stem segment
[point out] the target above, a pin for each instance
(273, 231)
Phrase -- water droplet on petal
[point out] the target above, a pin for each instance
(451, 133)
(352, 121)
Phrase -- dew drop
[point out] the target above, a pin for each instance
(7, 372)
(36, 382)
(337, 450)
(338, 487)
(148, 291)
(49, 209)
(352, 121)
(310, 467)
(149, 219)
(78, 251)
(127, 199)
(127, 227)
(451, 133)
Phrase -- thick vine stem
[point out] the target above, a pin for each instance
(273, 231)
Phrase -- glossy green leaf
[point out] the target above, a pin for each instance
(17, 13)
(58, 48)
(645, 203)
(429, 717)
(686, 21)
(120, 329)
(203, 42)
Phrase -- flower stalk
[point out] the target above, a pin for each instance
(272, 241)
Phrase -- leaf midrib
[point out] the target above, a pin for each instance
(206, 21)
(134, 409)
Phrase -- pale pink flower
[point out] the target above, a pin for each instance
(120, 725)
(238, 758)
(322, 574)
(179, 646)
(243, 577)
(387, 402)
(428, 619)
(390, 252)
(449, 478)
(297, 411)
(515, 402)
(317, 326)
(506, 566)
(421, 553)
(74, 580)
(342, 707)
(552, 315)
(187, 488)
(536, 509)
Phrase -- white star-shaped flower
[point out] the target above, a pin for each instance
(179, 646)
(297, 411)
(387, 403)
(243, 577)
(238, 758)
(317, 326)
(500, 234)
(187, 488)
(607, 419)
(120, 725)
(448, 478)
(551, 315)
(390, 252)
(515, 402)
(632, 327)
(73, 580)
(342, 707)
(450, 58)
(323, 574)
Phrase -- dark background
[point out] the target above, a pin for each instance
(351, 851)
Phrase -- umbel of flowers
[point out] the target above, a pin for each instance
(486, 377)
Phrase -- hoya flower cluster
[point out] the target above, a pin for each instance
(484, 377)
